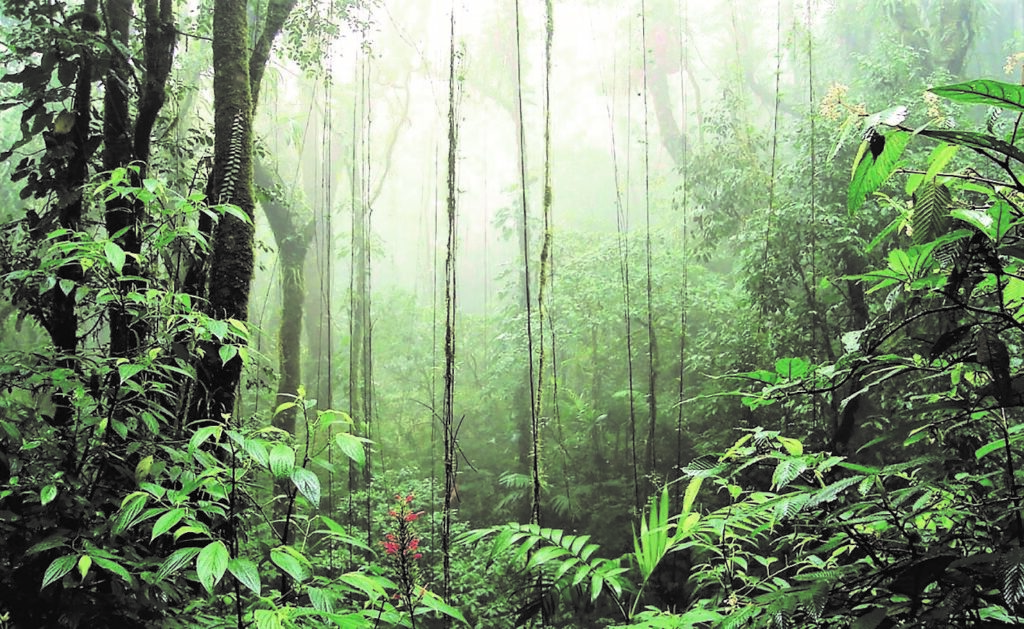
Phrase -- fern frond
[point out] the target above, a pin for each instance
(931, 211)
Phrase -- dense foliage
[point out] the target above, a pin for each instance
(775, 381)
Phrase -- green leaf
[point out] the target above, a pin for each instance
(352, 447)
(977, 141)
(48, 493)
(201, 435)
(127, 370)
(434, 603)
(211, 564)
(115, 255)
(131, 506)
(872, 172)
(793, 446)
(58, 568)
(166, 522)
(931, 211)
(246, 572)
(84, 563)
(870, 620)
(267, 619)
(545, 555)
(984, 92)
(291, 562)
(176, 561)
(227, 352)
(282, 460)
(989, 448)
(116, 568)
(307, 483)
(373, 587)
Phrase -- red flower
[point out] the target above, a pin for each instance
(411, 516)
(414, 543)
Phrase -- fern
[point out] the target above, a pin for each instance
(559, 562)
(931, 211)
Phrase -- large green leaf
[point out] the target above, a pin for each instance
(308, 484)
(282, 460)
(166, 521)
(58, 568)
(246, 572)
(211, 564)
(984, 92)
(977, 141)
(873, 171)
(177, 560)
(291, 561)
(352, 446)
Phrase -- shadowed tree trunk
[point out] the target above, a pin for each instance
(231, 259)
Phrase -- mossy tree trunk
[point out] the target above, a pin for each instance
(237, 77)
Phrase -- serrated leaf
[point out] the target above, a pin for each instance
(166, 522)
(930, 219)
(786, 471)
(47, 494)
(115, 255)
(176, 561)
(308, 484)
(58, 568)
(211, 564)
(247, 573)
(282, 460)
(285, 558)
(984, 92)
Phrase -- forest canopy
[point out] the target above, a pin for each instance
(505, 313)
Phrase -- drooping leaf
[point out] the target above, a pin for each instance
(976, 141)
(211, 564)
(308, 484)
(112, 566)
(984, 92)
(115, 255)
(131, 506)
(291, 562)
(353, 447)
(177, 560)
(247, 573)
(84, 563)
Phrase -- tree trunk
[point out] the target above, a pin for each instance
(231, 258)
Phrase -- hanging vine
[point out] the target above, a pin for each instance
(534, 420)
(652, 347)
(448, 410)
